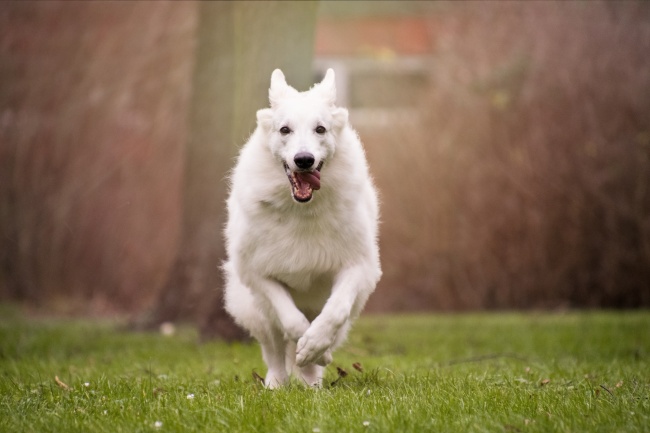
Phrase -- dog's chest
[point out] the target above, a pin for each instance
(301, 249)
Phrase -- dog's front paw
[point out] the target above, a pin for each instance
(313, 348)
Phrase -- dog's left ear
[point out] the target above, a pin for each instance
(340, 117)
(327, 87)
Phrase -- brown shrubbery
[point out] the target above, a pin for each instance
(523, 181)
(527, 183)
(92, 123)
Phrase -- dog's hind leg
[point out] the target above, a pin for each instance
(273, 352)
(310, 375)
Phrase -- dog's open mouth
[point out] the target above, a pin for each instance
(303, 183)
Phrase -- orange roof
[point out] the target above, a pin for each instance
(367, 36)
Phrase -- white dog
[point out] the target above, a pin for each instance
(301, 235)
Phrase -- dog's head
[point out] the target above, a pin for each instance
(302, 130)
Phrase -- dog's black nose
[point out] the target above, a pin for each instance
(304, 160)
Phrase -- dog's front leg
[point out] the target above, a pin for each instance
(275, 296)
(350, 291)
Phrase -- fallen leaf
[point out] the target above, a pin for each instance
(61, 384)
(257, 377)
(608, 391)
(342, 373)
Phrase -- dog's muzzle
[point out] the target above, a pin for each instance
(303, 181)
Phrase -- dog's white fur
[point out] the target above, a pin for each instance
(298, 274)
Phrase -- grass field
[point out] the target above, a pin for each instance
(578, 372)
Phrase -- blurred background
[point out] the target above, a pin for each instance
(510, 142)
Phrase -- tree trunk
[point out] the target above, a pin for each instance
(239, 45)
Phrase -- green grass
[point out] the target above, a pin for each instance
(579, 372)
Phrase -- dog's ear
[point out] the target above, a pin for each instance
(327, 87)
(265, 118)
(340, 117)
(279, 88)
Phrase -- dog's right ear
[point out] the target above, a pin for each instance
(279, 88)
(265, 118)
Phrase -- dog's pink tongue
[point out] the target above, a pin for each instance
(311, 177)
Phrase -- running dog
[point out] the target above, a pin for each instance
(301, 235)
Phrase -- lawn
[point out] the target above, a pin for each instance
(497, 372)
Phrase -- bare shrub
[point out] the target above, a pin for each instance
(523, 183)
(93, 117)
(527, 183)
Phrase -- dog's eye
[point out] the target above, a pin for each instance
(320, 129)
(285, 130)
